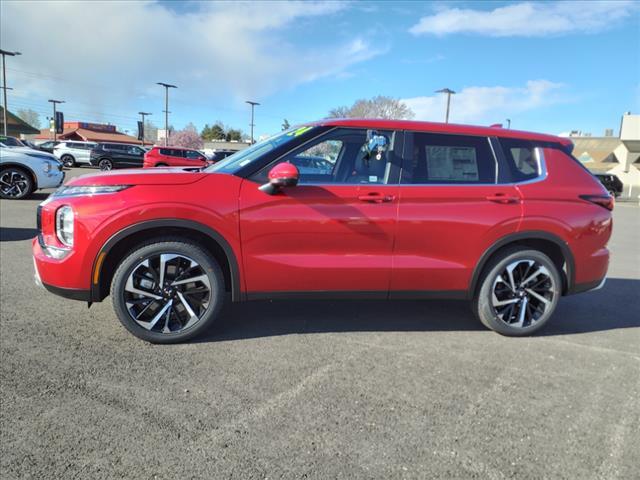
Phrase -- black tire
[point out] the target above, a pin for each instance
(161, 165)
(68, 161)
(105, 164)
(513, 300)
(15, 183)
(148, 251)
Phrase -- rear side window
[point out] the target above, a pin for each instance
(443, 159)
(171, 152)
(522, 160)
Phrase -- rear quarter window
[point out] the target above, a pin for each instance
(521, 158)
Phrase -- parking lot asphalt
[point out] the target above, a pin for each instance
(309, 389)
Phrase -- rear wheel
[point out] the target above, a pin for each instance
(518, 292)
(15, 183)
(68, 161)
(105, 164)
(168, 291)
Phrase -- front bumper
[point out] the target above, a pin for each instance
(52, 179)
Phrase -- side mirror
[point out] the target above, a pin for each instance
(280, 176)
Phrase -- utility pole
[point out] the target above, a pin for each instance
(253, 105)
(449, 92)
(142, 115)
(4, 53)
(508, 123)
(55, 126)
(166, 86)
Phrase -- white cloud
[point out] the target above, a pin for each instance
(487, 105)
(104, 53)
(527, 19)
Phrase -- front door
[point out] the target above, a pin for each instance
(334, 231)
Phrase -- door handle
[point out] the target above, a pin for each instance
(376, 198)
(503, 198)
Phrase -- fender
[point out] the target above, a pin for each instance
(172, 222)
(526, 235)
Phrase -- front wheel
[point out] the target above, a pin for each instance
(167, 291)
(15, 183)
(105, 164)
(518, 292)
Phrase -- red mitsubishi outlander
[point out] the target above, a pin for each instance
(339, 208)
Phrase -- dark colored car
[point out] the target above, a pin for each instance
(108, 156)
(218, 155)
(11, 141)
(47, 146)
(507, 220)
(611, 182)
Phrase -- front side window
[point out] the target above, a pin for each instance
(521, 159)
(449, 159)
(347, 156)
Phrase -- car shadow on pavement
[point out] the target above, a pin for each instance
(605, 309)
(39, 196)
(11, 234)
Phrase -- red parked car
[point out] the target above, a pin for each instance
(174, 157)
(340, 208)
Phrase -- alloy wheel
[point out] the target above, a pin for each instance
(14, 184)
(167, 293)
(105, 165)
(522, 293)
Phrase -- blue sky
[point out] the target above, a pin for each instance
(549, 67)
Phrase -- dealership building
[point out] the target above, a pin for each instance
(88, 132)
(617, 155)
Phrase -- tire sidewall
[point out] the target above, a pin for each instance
(105, 161)
(68, 161)
(27, 175)
(191, 250)
(482, 303)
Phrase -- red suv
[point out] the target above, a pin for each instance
(174, 157)
(340, 208)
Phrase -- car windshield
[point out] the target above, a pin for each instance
(11, 142)
(244, 157)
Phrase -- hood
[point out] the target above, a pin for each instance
(140, 176)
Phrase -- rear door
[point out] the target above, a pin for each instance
(334, 231)
(453, 207)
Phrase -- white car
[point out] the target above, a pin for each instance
(23, 171)
(71, 152)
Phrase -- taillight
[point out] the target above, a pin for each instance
(605, 201)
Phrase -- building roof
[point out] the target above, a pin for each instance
(74, 133)
(15, 125)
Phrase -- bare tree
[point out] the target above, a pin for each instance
(376, 107)
(189, 138)
(29, 116)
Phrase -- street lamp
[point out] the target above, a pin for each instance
(4, 53)
(449, 92)
(253, 105)
(142, 115)
(55, 124)
(166, 86)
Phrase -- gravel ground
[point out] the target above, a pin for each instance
(302, 389)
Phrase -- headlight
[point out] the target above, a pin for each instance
(64, 225)
(89, 190)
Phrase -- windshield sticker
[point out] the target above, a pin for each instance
(299, 131)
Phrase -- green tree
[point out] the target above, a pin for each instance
(286, 125)
(29, 116)
(214, 132)
(234, 135)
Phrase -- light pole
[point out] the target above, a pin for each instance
(142, 115)
(166, 86)
(55, 124)
(449, 92)
(4, 53)
(253, 105)
(508, 123)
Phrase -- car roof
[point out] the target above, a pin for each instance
(175, 148)
(434, 127)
